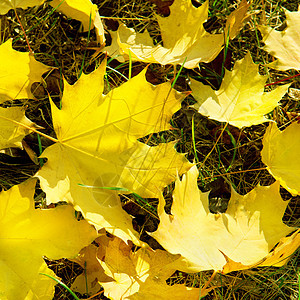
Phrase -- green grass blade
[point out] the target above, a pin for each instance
(87, 42)
(115, 188)
(130, 65)
(41, 161)
(233, 141)
(62, 284)
(181, 67)
(193, 139)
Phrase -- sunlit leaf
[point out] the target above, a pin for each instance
(246, 233)
(27, 234)
(241, 100)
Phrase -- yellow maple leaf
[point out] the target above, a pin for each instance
(84, 11)
(284, 45)
(184, 38)
(27, 234)
(12, 133)
(97, 146)
(241, 100)
(281, 155)
(6, 5)
(246, 233)
(19, 70)
(142, 274)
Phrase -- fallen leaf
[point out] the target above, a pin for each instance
(14, 127)
(284, 45)
(283, 251)
(281, 155)
(246, 233)
(97, 147)
(19, 70)
(31, 154)
(28, 234)
(185, 40)
(84, 11)
(88, 259)
(142, 274)
(294, 94)
(277, 258)
(6, 5)
(87, 282)
(241, 100)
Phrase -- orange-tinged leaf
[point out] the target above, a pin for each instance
(281, 155)
(97, 146)
(284, 45)
(89, 281)
(28, 234)
(241, 100)
(250, 228)
(184, 37)
(84, 11)
(18, 71)
(277, 258)
(283, 251)
(6, 5)
(142, 274)
(14, 125)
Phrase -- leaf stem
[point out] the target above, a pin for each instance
(31, 129)
(208, 282)
(99, 293)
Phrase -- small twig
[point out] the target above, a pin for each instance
(272, 83)
(264, 19)
(26, 39)
(236, 172)
(213, 148)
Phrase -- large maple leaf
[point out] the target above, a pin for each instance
(28, 234)
(97, 146)
(19, 70)
(241, 100)
(285, 45)
(184, 38)
(84, 11)
(250, 228)
(281, 155)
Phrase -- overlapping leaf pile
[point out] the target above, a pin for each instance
(97, 153)
(185, 41)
